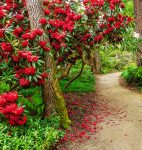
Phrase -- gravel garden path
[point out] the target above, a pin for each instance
(123, 129)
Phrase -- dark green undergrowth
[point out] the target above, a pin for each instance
(85, 83)
(40, 134)
(133, 76)
(35, 135)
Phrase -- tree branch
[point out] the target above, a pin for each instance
(77, 76)
(66, 71)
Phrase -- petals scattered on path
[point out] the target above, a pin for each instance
(110, 119)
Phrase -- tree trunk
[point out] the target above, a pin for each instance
(52, 95)
(97, 62)
(138, 21)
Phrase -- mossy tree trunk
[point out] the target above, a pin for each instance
(138, 29)
(52, 95)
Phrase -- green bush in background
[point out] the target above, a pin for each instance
(116, 60)
(133, 76)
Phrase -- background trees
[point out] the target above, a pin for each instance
(138, 27)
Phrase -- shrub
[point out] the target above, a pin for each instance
(133, 75)
(36, 134)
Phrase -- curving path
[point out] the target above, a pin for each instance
(120, 133)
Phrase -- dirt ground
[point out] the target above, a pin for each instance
(122, 131)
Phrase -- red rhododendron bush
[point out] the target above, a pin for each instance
(74, 30)
(10, 109)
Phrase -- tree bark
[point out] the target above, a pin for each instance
(52, 95)
(138, 28)
(96, 62)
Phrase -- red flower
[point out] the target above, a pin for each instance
(16, 58)
(60, 59)
(32, 58)
(44, 75)
(19, 111)
(46, 11)
(6, 47)
(2, 101)
(14, 118)
(111, 19)
(40, 82)
(2, 14)
(43, 21)
(17, 31)
(37, 32)
(98, 38)
(1, 34)
(25, 43)
(11, 122)
(117, 25)
(22, 121)
(10, 108)
(24, 82)
(47, 49)
(122, 5)
(26, 36)
(17, 75)
(42, 43)
(112, 7)
(11, 96)
(25, 54)
(129, 19)
(58, 36)
(19, 17)
(30, 70)
(45, 2)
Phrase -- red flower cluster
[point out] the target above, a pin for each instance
(98, 38)
(29, 70)
(2, 13)
(43, 21)
(1, 34)
(25, 55)
(58, 36)
(17, 31)
(25, 43)
(6, 47)
(32, 35)
(24, 82)
(43, 46)
(47, 12)
(10, 109)
(19, 17)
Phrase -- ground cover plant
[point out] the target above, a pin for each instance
(36, 134)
